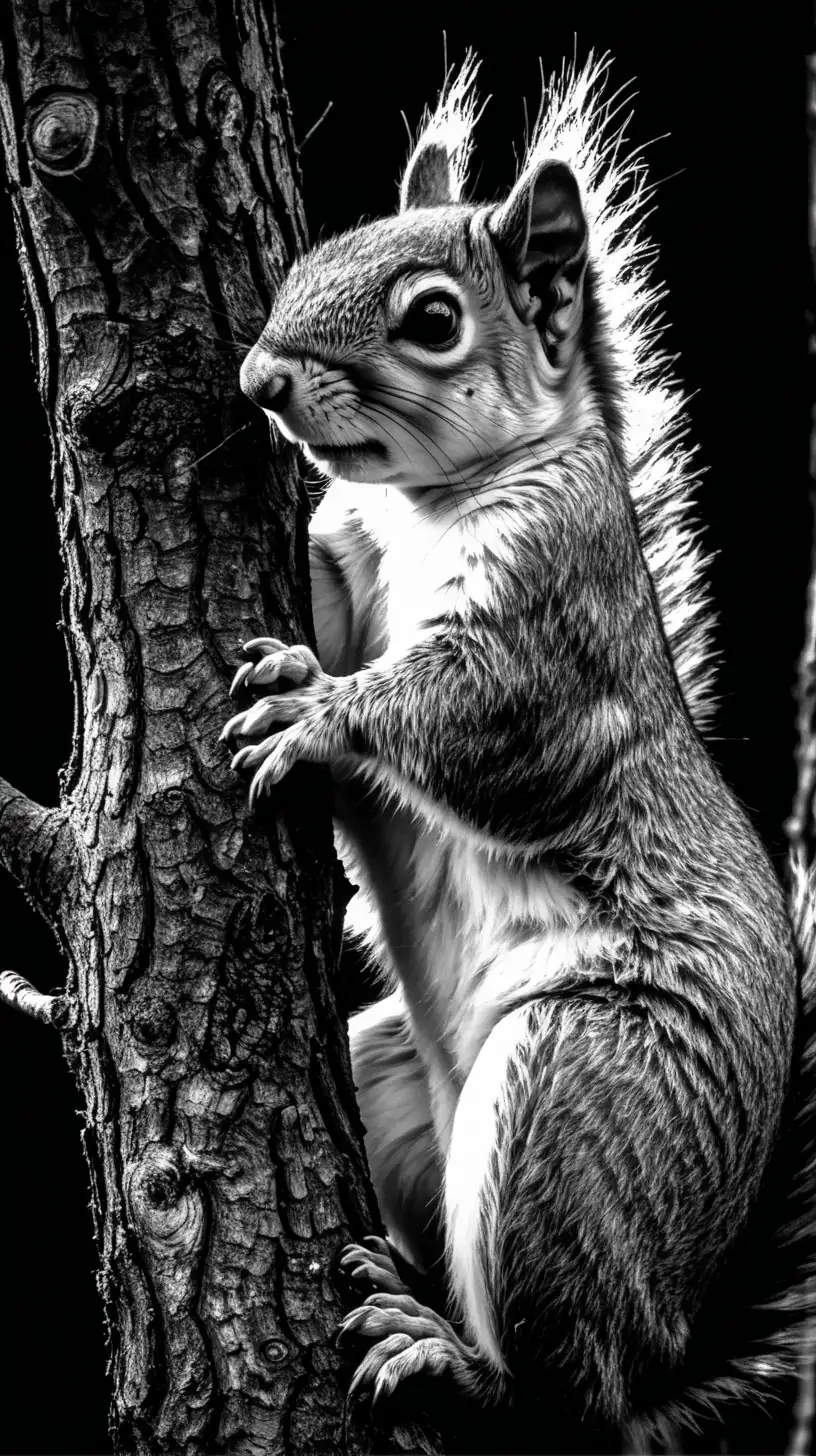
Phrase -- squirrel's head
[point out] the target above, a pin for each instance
(435, 346)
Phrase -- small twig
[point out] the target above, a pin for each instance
(19, 993)
(219, 446)
(313, 129)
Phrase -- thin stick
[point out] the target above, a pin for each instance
(219, 446)
(313, 129)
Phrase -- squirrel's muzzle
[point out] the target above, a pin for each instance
(266, 380)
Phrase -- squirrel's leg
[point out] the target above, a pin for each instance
(402, 1155)
(584, 1194)
(584, 1191)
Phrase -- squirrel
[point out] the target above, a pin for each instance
(589, 1084)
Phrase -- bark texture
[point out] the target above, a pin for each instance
(153, 175)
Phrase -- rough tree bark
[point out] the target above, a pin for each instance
(153, 175)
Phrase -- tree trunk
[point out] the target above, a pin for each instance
(152, 169)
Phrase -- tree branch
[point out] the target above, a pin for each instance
(37, 847)
(17, 992)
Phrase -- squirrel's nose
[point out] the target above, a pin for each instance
(272, 393)
(266, 382)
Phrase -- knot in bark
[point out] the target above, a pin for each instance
(178, 471)
(154, 1024)
(223, 107)
(275, 1352)
(98, 692)
(168, 1210)
(62, 132)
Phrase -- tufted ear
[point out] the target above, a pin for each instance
(541, 234)
(429, 179)
(437, 168)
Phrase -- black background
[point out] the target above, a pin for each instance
(727, 86)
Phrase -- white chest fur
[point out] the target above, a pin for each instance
(434, 564)
(468, 930)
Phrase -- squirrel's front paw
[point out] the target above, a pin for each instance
(303, 688)
(271, 661)
(294, 670)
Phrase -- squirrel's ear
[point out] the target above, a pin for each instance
(428, 181)
(541, 234)
(437, 168)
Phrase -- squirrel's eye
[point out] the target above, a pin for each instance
(432, 321)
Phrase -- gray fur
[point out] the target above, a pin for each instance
(584, 1080)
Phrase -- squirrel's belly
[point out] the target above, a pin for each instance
(468, 935)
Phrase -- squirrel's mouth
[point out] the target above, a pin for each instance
(344, 452)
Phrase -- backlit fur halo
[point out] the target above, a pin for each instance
(579, 125)
(450, 127)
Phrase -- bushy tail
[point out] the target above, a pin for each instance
(760, 1313)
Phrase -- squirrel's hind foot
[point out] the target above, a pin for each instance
(372, 1262)
(411, 1340)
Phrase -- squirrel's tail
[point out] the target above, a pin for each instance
(760, 1312)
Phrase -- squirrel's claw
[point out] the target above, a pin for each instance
(241, 676)
(253, 755)
(250, 723)
(261, 646)
(287, 664)
(370, 1366)
(231, 728)
(287, 748)
(271, 660)
(274, 712)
